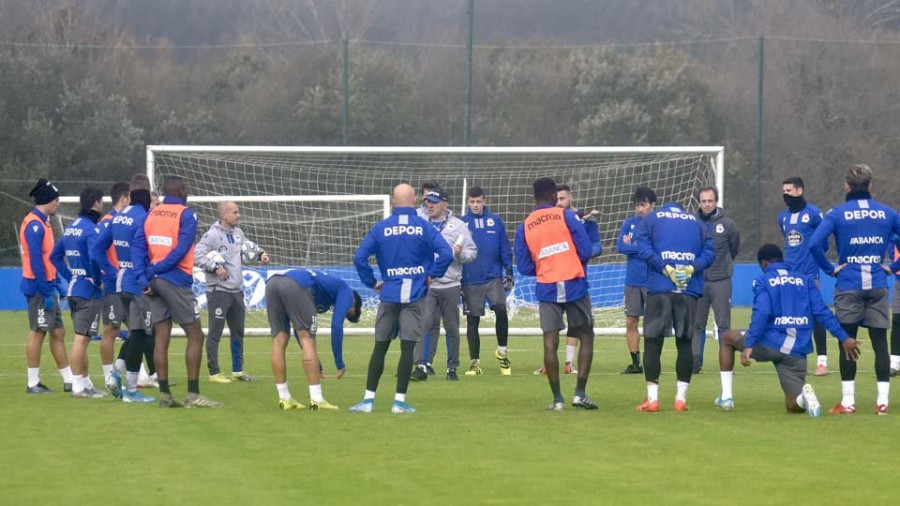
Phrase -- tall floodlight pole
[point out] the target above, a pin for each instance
(759, 140)
(345, 92)
(467, 134)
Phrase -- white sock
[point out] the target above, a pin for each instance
(283, 392)
(88, 384)
(801, 401)
(107, 371)
(822, 360)
(681, 389)
(847, 393)
(652, 392)
(501, 350)
(727, 378)
(66, 373)
(570, 352)
(895, 361)
(142, 373)
(315, 393)
(884, 390)
(131, 381)
(77, 384)
(369, 395)
(399, 397)
(120, 366)
(34, 376)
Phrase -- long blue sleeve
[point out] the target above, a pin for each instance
(34, 236)
(524, 263)
(580, 237)
(645, 247)
(361, 260)
(593, 233)
(506, 255)
(707, 254)
(823, 315)
(139, 257)
(58, 259)
(93, 270)
(187, 231)
(819, 242)
(762, 312)
(342, 303)
(623, 247)
(443, 251)
(98, 253)
(895, 266)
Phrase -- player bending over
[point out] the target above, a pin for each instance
(786, 307)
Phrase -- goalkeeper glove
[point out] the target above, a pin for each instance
(509, 281)
(671, 273)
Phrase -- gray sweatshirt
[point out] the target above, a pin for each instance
(727, 240)
(228, 244)
(453, 229)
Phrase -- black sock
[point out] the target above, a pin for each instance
(882, 356)
(636, 358)
(895, 334)
(194, 386)
(472, 337)
(652, 352)
(848, 367)
(134, 350)
(502, 326)
(149, 344)
(821, 340)
(123, 350)
(557, 393)
(376, 364)
(684, 364)
(404, 367)
(164, 387)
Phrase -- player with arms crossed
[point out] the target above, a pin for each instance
(294, 298)
(84, 280)
(677, 247)
(409, 252)
(862, 228)
(644, 201)
(219, 254)
(552, 245)
(786, 303)
(798, 223)
(39, 285)
(487, 278)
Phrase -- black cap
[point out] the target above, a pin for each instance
(44, 192)
(436, 195)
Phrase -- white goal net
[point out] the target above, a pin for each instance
(307, 205)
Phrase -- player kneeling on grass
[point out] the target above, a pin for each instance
(786, 306)
(294, 298)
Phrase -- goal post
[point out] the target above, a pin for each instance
(326, 189)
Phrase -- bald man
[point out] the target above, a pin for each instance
(410, 252)
(219, 255)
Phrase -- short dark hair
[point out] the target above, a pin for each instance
(428, 185)
(859, 177)
(89, 197)
(563, 188)
(357, 306)
(544, 190)
(796, 181)
(174, 186)
(139, 182)
(643, 194)
(769, 253)
(475, 192)
(708, 189)
(118, 191)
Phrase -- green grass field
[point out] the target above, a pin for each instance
(482, 440)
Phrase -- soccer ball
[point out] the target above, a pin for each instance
(249, 251)
(217, 258)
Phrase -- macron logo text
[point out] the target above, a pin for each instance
(405, 271)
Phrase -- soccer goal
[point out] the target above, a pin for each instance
(311, 206)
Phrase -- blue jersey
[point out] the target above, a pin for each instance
(593, 233)
(862, 231)
(74, 248)
(494, 254)
(797, 229)
(671, 236)
(635, 268)
(328, 291)
(786, 304)
(109, 282)
(126, 234)
(408, 251)
(563, 291)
